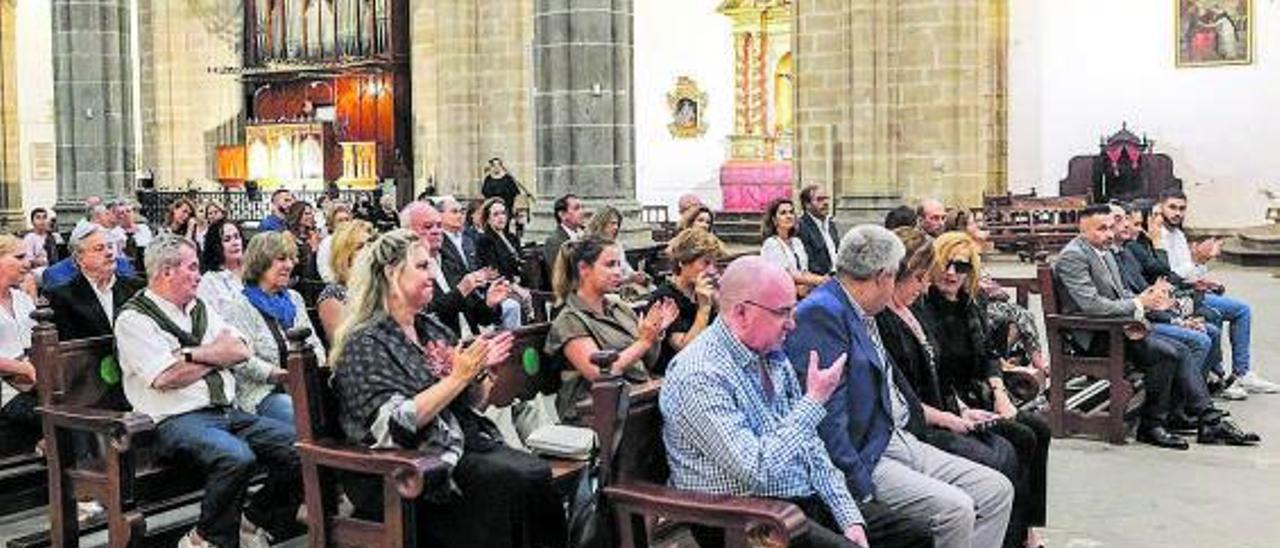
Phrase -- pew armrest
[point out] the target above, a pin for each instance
(405, 469)
(1087, 323)
(781, 520)
(118, 426)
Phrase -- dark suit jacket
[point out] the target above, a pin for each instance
(551, 247)
(447, 306)
(814, 246)
(912, 361)
(1154, 262)
(452, 262)
(859, 417)
(491, 252)
(76, 311)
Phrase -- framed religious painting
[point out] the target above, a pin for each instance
(688, 105)
(1213, 32)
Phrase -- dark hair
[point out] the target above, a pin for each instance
(1171, 194)
(1094, 210)
(806, 194)
(35, 211)
(768, 228)
(293, 217)
(1138, 205)
(211, 258)
(562, 205)
(485, 210)
(278, 192)
(564, 277)
(903, 215)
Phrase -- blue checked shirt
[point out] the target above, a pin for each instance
(724, 436)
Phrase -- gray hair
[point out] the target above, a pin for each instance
(443, 203)
(409, 211)
(263, 250)
(82, 233)
(165, 251)
(868, 250)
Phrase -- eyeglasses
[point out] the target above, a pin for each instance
(960, 267)
(783, 313)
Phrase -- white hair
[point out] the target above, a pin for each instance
(868, 250)
(165, 251)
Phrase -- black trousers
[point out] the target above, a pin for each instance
(884, 528)
(1160, 359)
(1030, 436)
(20, 427)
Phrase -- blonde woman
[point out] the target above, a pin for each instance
(18, 418)
(348, 240)
(403, 382)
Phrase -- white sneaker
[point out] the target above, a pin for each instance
(252, 536)
(192, 540)
(86, 511)
(1255, 384)
(1234, 392)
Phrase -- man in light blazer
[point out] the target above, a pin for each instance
(817, 231)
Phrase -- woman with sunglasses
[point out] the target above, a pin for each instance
(970, 373)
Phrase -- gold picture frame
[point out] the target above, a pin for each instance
(1210, 33)
(688, 106)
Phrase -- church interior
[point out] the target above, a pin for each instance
(1021, 120)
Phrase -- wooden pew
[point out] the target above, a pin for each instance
(23, 483)
(633, 475)
(122, 472)
(1078, 414)
(326, 455)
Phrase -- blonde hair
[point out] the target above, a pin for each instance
(692, 244)
(601, 219)
(265, 248)
(9, 244)
(347, 240)
(371, 284)
(947, 246)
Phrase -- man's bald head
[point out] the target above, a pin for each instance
(749, 277)
(932, 216)
(757, 302)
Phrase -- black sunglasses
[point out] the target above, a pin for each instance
(961, 267)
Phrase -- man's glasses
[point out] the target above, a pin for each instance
(960, 267)
(782, 313)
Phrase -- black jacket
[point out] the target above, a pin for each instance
(492, 253)
(913, 361)
(814, 246)
(77, 313)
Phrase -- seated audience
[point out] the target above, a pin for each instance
(331, 304)
(458, 256)
(480, 297)
(593, 318)
(782, 246)
(698, 216)
(213, 212)
(301, 219)
(1191, 263)
(817, 231)
(498, 248)
(607, 224)
(41, 243)
(90, 203)
(384, 216)
(180, 220)
(63, 271)
(971, 372)
(471, 232)
(693, 286)
(931, 215)
(177, 356)
(401, 387)
(133, 236)
(900, 216)
(20, 426)
(281, 200)
(86, 306)
(266, 311)
(736, 421)
(338, 213)
(1091, 286)
(569, 220)
(222, 261)
(936, 419)
(966, 504)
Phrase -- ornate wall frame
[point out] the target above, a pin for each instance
(688, 106)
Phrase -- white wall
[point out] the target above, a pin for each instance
(1079, 68)
(35, 97)
(681, 38)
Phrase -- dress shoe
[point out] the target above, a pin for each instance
(1225, 432)
(1182, 425)
(1159, 437)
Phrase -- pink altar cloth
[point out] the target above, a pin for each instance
(750, 186)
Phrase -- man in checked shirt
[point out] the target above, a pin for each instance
(736, 422)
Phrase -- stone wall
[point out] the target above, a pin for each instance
(902, 98)
(472, 81)
(10, 189)
(186, 111)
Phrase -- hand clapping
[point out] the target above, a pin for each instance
(657, 319)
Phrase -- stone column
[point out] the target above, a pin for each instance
(584, 133)
(93, 100)
(10, 187)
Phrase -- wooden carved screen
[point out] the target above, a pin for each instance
(316, 30)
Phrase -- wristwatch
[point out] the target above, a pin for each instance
(188, 354)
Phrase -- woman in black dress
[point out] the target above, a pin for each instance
(692, 286)
(497, 247)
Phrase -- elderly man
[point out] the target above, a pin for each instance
(62, 272)
(86, 306)
(932, 216)
(569, 219)
(467, 297)
(458, 254)
(130, 236)
(865, 431)
(177, 355)
(735, 420)
(281, 199)
(817, 231)
(1191, 263)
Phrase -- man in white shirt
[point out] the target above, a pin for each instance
(1191, 263)
(131, 237)
(177, 357)
(41, 244)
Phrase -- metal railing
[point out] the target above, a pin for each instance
(240, 206)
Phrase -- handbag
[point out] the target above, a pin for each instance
(561, 441)
(590, 521)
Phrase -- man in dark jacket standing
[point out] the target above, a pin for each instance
(817, 231)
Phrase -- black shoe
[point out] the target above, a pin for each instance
(1159, 437)
(1225, 432)
(1182, 425)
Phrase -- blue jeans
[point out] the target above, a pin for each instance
(1199, 344)
(278, 406)
(1238, 314)
(228, 445)
(511, 313)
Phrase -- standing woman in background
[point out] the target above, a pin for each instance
(301, 220)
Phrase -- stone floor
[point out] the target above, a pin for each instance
(1134, 495)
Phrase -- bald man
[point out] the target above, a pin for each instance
(736, 422)
(932, 216)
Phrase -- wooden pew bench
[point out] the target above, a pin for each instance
(23, 483)
(327, 458)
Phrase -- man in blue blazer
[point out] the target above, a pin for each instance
(865, 432)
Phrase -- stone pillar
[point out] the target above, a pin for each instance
(93, 100)
(584, 133)
(10, 188)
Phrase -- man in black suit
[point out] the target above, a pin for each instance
(86, 306)
(569, 214)
(818, 232)
(458, 254)
(466, 298)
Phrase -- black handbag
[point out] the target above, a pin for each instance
(590, 521)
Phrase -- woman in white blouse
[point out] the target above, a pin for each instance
(783, 248)
(19, 423)
(222, 260)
